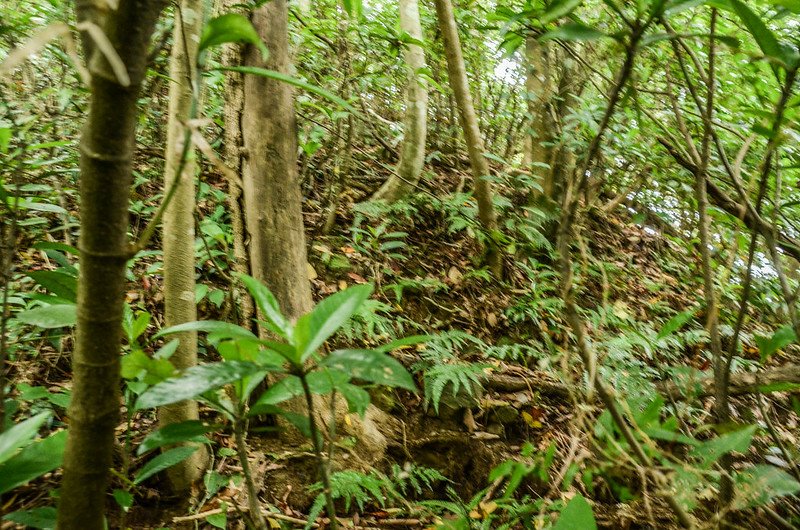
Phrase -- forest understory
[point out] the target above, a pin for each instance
(368, 265)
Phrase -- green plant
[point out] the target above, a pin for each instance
(247, 359)
(377, 241)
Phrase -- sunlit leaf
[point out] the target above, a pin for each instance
(231, 27)
(50, 316)
(314, 328)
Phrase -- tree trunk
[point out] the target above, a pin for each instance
(469, 123)
(106, 173)
(412, 152)
(537, 152)
(234, 159)
(272, 199)
(178, 228)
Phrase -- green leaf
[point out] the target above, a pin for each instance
(284, 390)
(357, 398)
(711, 450)
(576, 515)
(779, 387)
(765, 39)
(20, 434)
(573, 31)
(175, 433)
(558, 9)
(44, 517)
(35, 460)
(780, 339)
(163, 461)
(758, 485)
(59, 283)
(353, 8)
(268, 305)
(124, 499)
(675, 323)
(218, 520)
(314, 328)
(194, 381)
(231, 27)
(791, 5)
(272, 74)
(140, 324)
(372, 366)
(50, 316)
(219, 329)
(405, 341)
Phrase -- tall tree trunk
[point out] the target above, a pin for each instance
(234, 159)
(457, 74)
(178, 227)
(412, 152)
(106, 158)
(537, 152)
(272, 199)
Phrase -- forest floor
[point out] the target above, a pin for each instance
(508, 335)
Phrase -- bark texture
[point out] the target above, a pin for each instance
(457, 74)
(178, 228)
(106, 151)
(536, 150)
(272, 199)
(412, 152)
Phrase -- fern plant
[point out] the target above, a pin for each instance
(412, 478)
(445, 373)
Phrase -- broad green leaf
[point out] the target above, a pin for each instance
(231, 27)
(576, 515)
(779, 387)
(573, 31)
(353, 8)
(175, 433)
(163, 461)
(780, 339)
(50, 316)
(137, 364)
(44, 517)
(371, 366)
(314, 328)
(765, 39)
(284, 390)
(558, 9)
(268, 305)
(675, 323)
(405, 341)
(220, 329)
(20, 434)
(791, 5)
(758, 485)
(272, 74)
(124, 499)
(357, 398)
(710, 451)
(195, 381)
(140, 324)
(35, 460)
(59, 283)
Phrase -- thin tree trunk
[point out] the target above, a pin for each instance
(234, 159)
(273, 214)
(178, 229)
(536, 151)
(469, 123)
(412, 152)
(106, 174)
